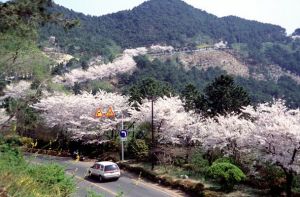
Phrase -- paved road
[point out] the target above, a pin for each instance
(129, 184)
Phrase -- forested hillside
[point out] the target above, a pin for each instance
(170, 21)
(175, 23)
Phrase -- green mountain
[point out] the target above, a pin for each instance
(159, 21)
(173, 22)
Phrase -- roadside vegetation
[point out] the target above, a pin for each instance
(197, 131)
(25, 179)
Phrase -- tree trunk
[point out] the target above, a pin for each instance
(289, 181)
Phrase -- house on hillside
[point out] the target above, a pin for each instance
(221, 45)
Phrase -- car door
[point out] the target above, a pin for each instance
(101, 169)
(94, 169)
(97, 169)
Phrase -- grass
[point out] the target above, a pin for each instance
(176, 172)
(210, 188)
(19, 178)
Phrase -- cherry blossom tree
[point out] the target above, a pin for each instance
(123, 64)
(16, 97)
(17, 90)
(229, 133)
(76, 113)
(170, 118)
(271, 133)
(3, 116)
(277, 137)
(97, 70)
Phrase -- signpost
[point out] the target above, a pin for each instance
(123, 136)
(111, 114)
(99, 113)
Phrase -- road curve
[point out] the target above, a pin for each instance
(128, 184)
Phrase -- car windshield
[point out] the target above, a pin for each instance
(111, 167)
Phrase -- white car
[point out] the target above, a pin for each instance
(105, 170)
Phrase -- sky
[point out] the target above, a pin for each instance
(280, 12)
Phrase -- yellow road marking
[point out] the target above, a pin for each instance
(157, 188)
(94, 184)
(160, 189)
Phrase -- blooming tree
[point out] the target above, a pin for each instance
(3, 116)
(228, 133)
(17, 90)
(170, 118)
(76, 113)
(271, 133)
(277, 137)
(123, 64)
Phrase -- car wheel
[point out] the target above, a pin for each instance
(116, 179)
(100, 178)
(89, 173)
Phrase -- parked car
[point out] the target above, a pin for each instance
(105, 170)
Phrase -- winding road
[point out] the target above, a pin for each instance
(129, 184)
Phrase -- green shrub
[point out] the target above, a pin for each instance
(226, 174)
(27, 141)
(296, 183)
(112, 145)
(179, 161)
(91, 193)
(24, 179)
(271, 177)
(199, 164)
(138, 148)
(12, 140)
(224, 160)
(101, 85)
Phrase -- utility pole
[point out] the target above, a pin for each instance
(152, 129)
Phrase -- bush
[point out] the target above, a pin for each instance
(52, 175)
(138, 148)
(224, 160)
(226, 174)
(199, 164)
(24, 179)
(270, 177)
(112, 145)
(12, 140)
(27, 142)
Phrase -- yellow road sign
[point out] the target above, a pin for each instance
(110, 113)
(99, 113)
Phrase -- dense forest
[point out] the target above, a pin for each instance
(173, 74)
(171, 21)
(175, 23)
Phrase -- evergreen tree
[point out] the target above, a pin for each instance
(190, 95)
(224, 96)
(148, 88)
(84, 65)
(76, 88)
